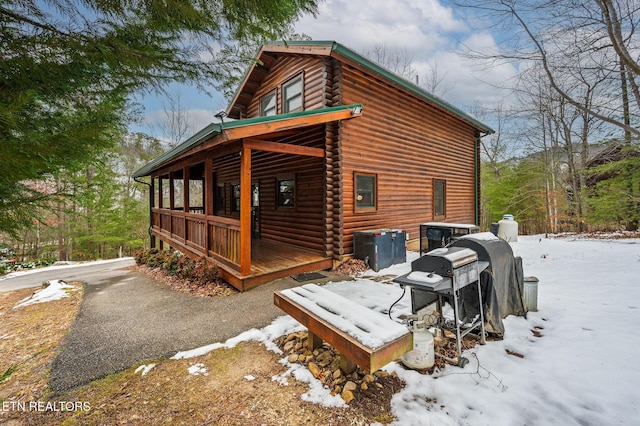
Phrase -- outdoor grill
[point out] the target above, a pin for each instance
(440, 274)
(459, 264)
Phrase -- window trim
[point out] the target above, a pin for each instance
(367, 209)
(295, 200)
(285, 100)
(444, 198)
(273, 92)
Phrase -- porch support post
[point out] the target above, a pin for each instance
(245, 212)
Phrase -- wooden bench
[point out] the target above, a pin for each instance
(363, 337)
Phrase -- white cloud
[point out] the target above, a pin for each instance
(428, 32)
(417, 26)
(431, 33)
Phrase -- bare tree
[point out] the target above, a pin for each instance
(434, 82)
(399, 61)
(394, 59)
(175, 125)
(597, 36)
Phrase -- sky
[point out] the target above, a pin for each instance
(433, 33)
(578, 368)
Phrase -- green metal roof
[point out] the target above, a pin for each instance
(214, 129)
(389, 75)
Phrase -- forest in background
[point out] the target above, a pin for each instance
(565, 155)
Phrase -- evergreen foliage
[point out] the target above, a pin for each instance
(69, 67)
(517, 189)
(614, 196)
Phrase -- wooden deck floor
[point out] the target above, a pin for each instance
(271, 260)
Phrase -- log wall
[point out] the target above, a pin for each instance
(302, 224)
(407, 144)
(281, 71)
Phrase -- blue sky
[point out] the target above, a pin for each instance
(432, 32)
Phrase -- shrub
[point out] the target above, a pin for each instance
(175, 263)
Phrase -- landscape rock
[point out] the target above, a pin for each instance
(348, 396)
(314, 369)
(324, 364)
(288, 346)
(350, 386)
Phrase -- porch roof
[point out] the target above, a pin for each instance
(251, 127)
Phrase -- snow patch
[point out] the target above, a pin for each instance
(56, 290)
(145, 369)
(198, 370)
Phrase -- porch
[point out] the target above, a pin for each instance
(254, 196)
(270, 260)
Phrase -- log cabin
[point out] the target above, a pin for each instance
(318, 142)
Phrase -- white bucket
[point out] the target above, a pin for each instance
(423, 353)
(531, 294)
(508, 228)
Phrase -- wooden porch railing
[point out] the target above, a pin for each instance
(192, 230)
(224, 238)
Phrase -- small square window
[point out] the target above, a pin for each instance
(292, 95)
(365, 191)
(439, 197)
(286, 192)
(268, 104)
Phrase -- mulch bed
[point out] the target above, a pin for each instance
(214, 288)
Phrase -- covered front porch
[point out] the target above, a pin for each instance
(270, 260)
(249, 196)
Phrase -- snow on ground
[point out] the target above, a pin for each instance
(198, 370)
(582, 370)
(145, 369)
(56, 290)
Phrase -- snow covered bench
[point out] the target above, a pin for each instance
(364, 337)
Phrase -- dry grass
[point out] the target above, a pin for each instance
(168, 394)
(29, 340)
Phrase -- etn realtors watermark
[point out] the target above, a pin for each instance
(43, 406)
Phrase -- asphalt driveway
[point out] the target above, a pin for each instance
(128, 318)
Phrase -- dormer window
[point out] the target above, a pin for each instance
(292, 95)
(268, 104)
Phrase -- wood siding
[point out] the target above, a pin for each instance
(282, 70)
(407, 144)
(303, 224)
